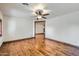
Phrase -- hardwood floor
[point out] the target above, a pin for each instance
(26, 48)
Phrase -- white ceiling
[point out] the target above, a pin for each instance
(57, 9)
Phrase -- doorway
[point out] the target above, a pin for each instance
(39, 34)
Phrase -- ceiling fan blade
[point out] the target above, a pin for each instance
(44, 17)
(45, 14)
(36, 13)
(40, 13)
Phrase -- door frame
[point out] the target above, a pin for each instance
(35, 28)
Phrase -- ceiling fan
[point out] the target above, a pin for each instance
(38, 12)
(41, 14)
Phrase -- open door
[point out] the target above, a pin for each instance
(39, 34)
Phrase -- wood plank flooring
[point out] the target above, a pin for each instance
(26, 48)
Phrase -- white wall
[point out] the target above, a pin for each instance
(64, 28)
(1, 40)
(17, 28)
